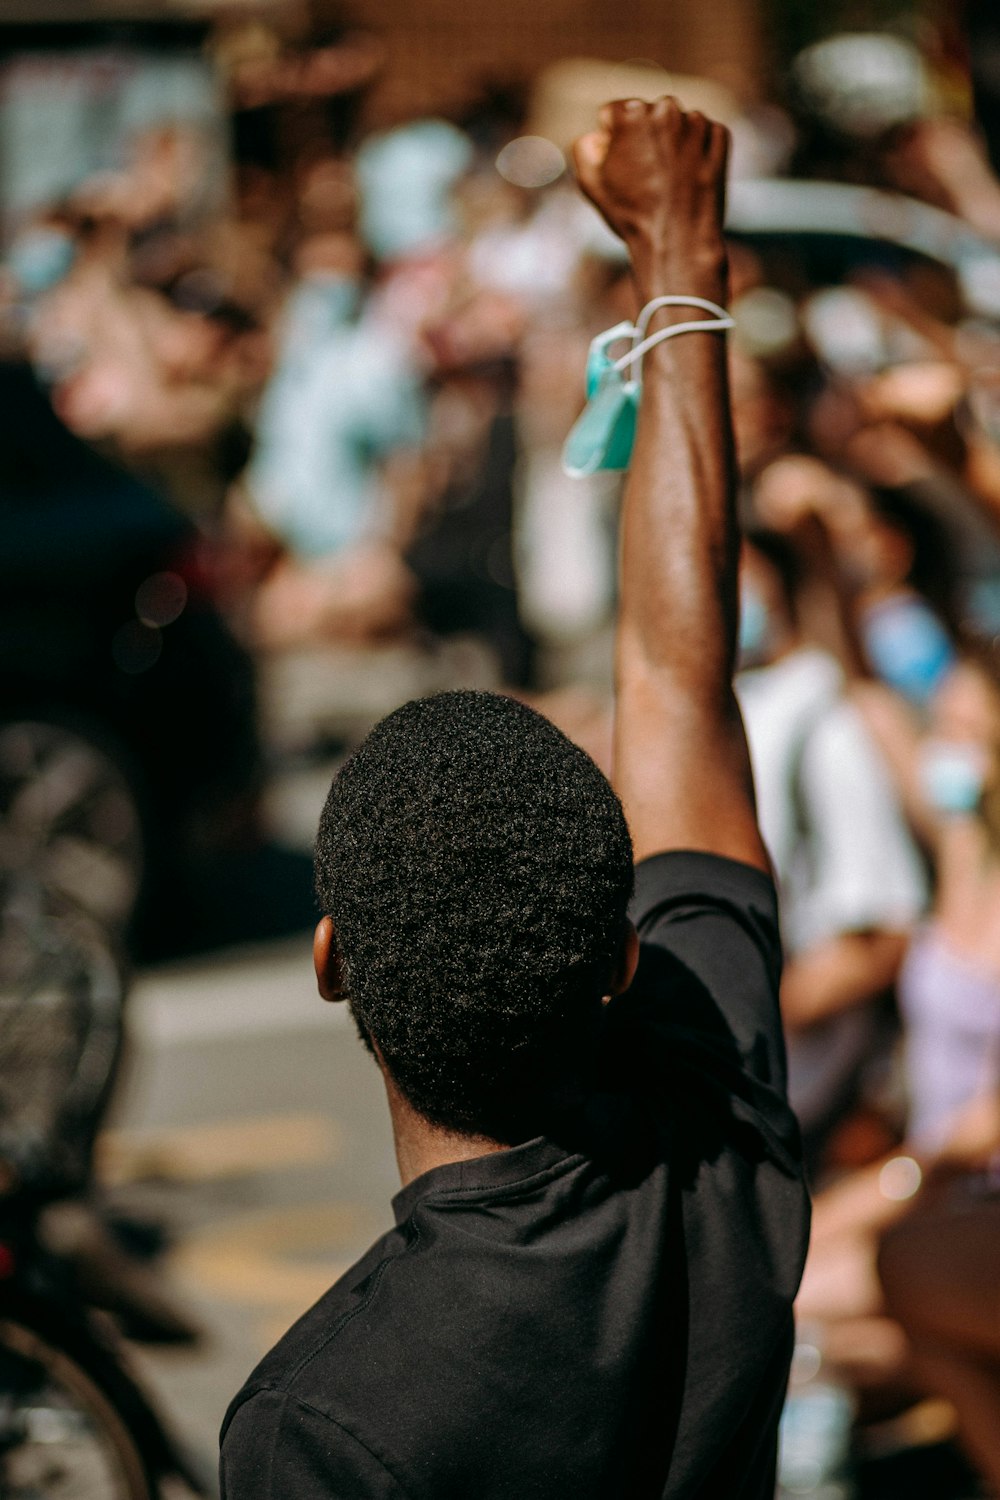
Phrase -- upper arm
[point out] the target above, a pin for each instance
(699, 1035)
(683, 774)
(275, 1448)
(710, 958)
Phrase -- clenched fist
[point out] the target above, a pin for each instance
(658, 176)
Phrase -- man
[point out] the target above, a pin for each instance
(851, 879)
(602, 1223)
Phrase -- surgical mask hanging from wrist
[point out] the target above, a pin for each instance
(603, 434)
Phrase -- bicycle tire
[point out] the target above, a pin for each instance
(62, 988)
(72, 798)
(107, 1462)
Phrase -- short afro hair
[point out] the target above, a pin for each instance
(477, 868)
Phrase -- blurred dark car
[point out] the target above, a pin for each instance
(129, 758)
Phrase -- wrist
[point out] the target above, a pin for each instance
(701, 270)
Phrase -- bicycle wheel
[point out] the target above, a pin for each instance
(71, 818)
(61, 995)
(60, 1436)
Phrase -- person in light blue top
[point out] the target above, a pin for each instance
(333, 411)
(345, 398)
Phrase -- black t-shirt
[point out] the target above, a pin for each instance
(602, 1313)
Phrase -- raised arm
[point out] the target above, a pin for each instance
(657, 175)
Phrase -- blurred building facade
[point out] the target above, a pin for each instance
(438, 45)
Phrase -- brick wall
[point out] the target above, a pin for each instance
(437, 47)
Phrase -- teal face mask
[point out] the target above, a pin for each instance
(953, 777)
(755, 627)
(40, 258)
(908, 647)
(603, 434)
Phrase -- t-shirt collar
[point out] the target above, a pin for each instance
(481, 1173)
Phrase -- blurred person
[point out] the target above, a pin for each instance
(315, 503)
(949, 998)
(289, 97)
(212, 355)
(148, 352)
(850, 876)
(166, 181)
(942, 161)
(565, 545)
(409, 220)
(918, 416)
(460, 554)
(764, 411)
(950, 987)
(602, 1220)
(938, 1271)
(897, 557)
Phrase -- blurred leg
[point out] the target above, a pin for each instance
(973, 1388)
(940, 1272)
(840, 1280)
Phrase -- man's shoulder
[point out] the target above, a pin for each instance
(300, 1363)
(681, 877)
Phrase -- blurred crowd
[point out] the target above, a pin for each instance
(357, 377)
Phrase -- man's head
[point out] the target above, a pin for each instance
(476, 867)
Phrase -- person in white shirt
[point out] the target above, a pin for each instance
(852, 882)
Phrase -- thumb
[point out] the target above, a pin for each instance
(589, 152)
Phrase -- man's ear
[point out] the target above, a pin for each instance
(628, 961)
(328, 962)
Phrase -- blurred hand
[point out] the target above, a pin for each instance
(658, 176)
(922, 393)
(888, 454)
(796, 487)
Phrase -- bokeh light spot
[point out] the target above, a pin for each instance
(900, 1179)
(531, 161)
(160, 599)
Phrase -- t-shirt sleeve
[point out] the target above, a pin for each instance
(275, 1447)
(711, 951)
(706, 989)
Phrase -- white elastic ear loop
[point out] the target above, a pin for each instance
(641, 345)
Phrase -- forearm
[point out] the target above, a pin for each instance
(680, 761)
(837, 975)
(678, 598)
(679, 550)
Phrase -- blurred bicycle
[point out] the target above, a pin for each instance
(74, 1424)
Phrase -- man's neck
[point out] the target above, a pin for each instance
(421, 1146)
